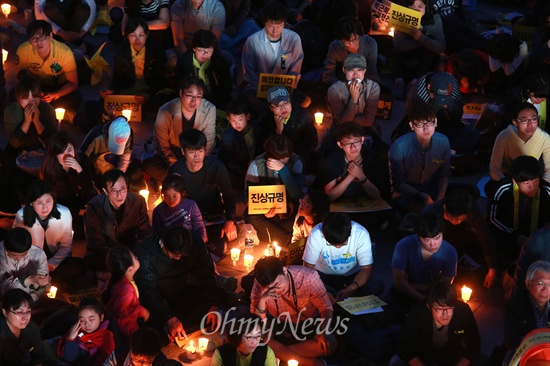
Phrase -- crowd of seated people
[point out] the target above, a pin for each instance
(153, 266)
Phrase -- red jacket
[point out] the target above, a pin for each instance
(125, 308)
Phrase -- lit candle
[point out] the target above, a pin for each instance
(4, 55)
(191, 350)
(266, 252)
(59, 114)
(145, 194)
(248, 259)
(391, 32)
(53, 291)
(318, 118)
(292, 363)
(235, 254)
(466, 293)
(277, 250)
(6, 9)
(127, 113)
(203, 344)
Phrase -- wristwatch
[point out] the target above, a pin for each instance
(362, 181)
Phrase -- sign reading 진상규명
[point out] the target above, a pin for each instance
(261, 199)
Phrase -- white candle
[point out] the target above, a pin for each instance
(466, 293)
(127, 113)
(235, 254)
(59, 114)
(248, 259)
(4, 55)
(319, 118)
(52, 293)
(391, 32)
(203, 344)
(191, 350)
(6, 9)
(292, 363)
(277, 250)
(145, 194)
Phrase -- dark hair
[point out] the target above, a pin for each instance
(204, 39)
(244, 323)
(51, 170)
(348, 129)
(441, 293)
(192, 139)
(503, 47)
(175, 182)
(238, 106)
(278, 147)
(429, 224)
(145, 342)
(133, 24)
(336, 227)
(15, 298)
(168, 362)
(111, 177)
(93, 304)
(119, 259)
(274, 11)
(25, 84)
(523, 106)
(459, 202)
(538, 84)
(320, 206)
(37, 189)
(467, 65)
(267, 269)
(420, 111)
(18, 240)
(190, 80)
(177, 240)
(346, 27)
(525, 168)
(38, 27)
(428, 17)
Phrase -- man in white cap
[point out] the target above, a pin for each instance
(109, 146)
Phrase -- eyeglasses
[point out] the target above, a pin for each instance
(253, 338)
(355, 144)
(116, 192)
(424, 124)
(528, 121)
(21, 314)
(352, 40)
(540, 284)
(136, 361)
(441, 311)
(204, 51)
(37, 39)
(338, 245)
(190, 97)
(281, 105)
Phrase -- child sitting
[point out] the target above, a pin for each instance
(88, 342)
(121, 298)
(176, 210)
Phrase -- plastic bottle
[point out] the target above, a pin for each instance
(249, 241)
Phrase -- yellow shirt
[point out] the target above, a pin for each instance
(49, 72)
(245, 360)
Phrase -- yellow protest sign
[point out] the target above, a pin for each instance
(222, 124)
(262, 198)
(523, 32)
(472, 110)
(119, 103)
(359, 305)
(266, 81)
(402, 18)
(77, 296)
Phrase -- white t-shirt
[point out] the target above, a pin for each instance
(342, 261)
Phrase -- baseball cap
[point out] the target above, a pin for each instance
(277, 94)
(441, 84)
(119, 133)
(355, 60)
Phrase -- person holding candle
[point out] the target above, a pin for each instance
(244, 345)
(50, 226)
(299, 293)
(441, 330)
(56, 72)
(311, 211)
(177, 282)
(20, 342)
